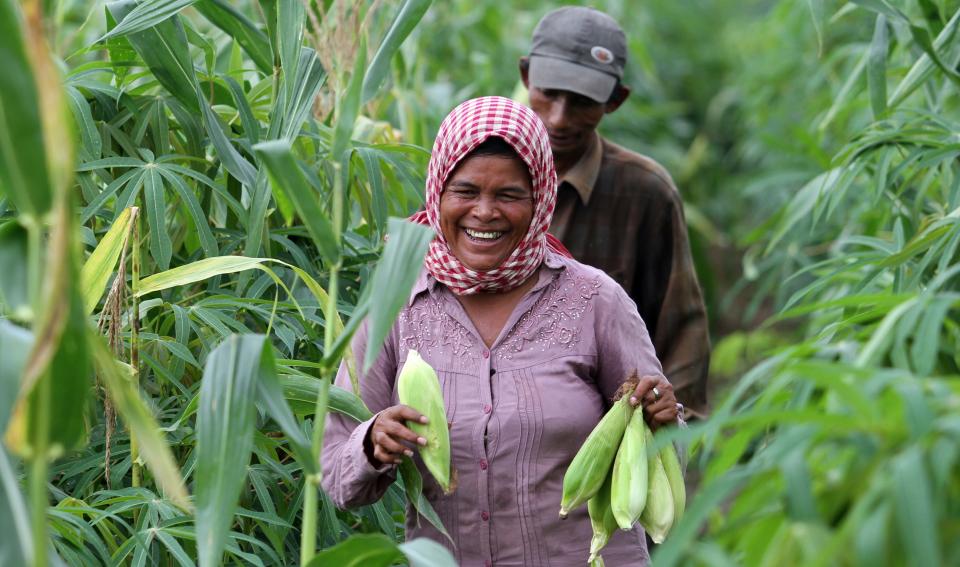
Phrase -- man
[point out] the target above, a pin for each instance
(617, 210)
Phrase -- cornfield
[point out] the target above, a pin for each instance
(201, 200)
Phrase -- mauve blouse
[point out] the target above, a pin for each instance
(519, 410)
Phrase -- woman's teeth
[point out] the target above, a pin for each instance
(483, 235)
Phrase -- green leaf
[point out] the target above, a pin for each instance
(16, 545)
(348, 105)
(291, 17)
(14, 295)
(270, 396)
(914, 509)
(225, 423)
(15, 344)
(413, 488)
(407, 19)
(23, 167)
(285, 175)
(100, 265)
(253, 41)
(236, 164)
(423, 552)
(877, 67)
(130, 406)
(393, 279)
(147, 14)
(161, 247)
(301, 392)
(924, 66)
(362, 550)
(198, 271)
(164, 49)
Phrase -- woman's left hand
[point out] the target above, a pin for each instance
(658, 400)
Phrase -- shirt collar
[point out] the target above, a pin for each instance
(552, 263)
(583, 175)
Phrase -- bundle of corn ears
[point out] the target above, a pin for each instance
(620, 483)
(419, 388)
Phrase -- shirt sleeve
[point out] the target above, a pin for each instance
(349, 478)
(623, 343)
(681, 333)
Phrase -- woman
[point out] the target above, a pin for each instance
(529, 345)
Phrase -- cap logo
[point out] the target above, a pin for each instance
(601, 54)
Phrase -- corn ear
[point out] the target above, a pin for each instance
(628, 492)
(601, 520)
(590, 466)
(597, 562)
(419, 388)
(657, 516)
(671, 464)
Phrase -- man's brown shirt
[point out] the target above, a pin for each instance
(620, 211)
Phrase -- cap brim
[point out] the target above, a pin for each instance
(553, 73)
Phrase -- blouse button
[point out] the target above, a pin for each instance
(484, 516)
(487, 408)
(483, 464)
(486, 353)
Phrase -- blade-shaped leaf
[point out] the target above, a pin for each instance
(407, 19)
(393, 279)
(225, 422)
(301, 392)
(147, 14)
(362, 550)
(134, 412)
(16, 545)
(877, 67)
(423, 552)
(914, 508)
(198, 271)
(285, 175)
(161, 247)
(14, 295)
(241, 29)
(348, 105)
(100, 265)
(23, 169)
(270, 396)
(15, 344)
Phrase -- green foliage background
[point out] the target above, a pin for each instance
(815, 145)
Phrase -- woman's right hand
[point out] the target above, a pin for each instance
(390, 438)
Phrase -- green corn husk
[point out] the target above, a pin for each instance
(419, 388)
(628, 495)
(657, 516)
(590, 466)
(601, 520)
(671, 464)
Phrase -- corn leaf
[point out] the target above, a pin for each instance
(286, 176)
(348, 107)
(100, 265)
(16, 545)
(14, 295)
(146, 15)
(423, 552)
(407, 19)
(914, 508)
(362, 550)
(164, 49)
(23, 169)
(15, 343)
(253, 41)
(877, 67)
(134, 412)
(393, 279)
(225, 424)
(198, 271)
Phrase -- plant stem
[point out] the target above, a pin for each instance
(135, 342)
(38, 473)
(308, 536)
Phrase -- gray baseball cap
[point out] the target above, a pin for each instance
(578, 49)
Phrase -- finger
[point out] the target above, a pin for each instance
(399, 431)
(385, 457)
(666, 416)
(407, 413)
(661, 390)
(643, 386)
(390, 445)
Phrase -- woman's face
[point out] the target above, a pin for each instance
(485, 209)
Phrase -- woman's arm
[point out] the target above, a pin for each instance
(350, 477)
(625, 348)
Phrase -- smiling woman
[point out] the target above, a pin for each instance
(529, 347)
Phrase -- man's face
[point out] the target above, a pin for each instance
(570, 119)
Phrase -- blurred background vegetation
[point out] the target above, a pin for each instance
(815, 145)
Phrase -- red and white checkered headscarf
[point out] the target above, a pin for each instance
(465, 128)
